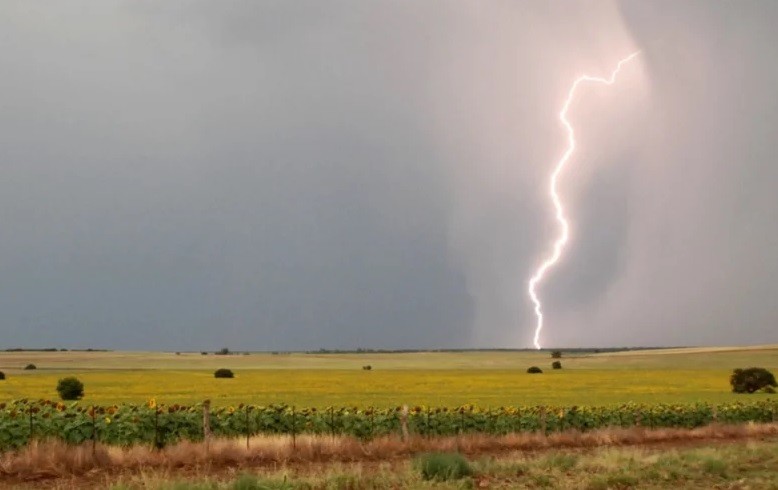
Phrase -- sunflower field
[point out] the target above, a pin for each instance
(24, 420)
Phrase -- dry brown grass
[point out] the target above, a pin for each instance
(54, 459)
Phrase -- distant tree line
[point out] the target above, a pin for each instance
(54, 349)
(226, 351)
(577, 350)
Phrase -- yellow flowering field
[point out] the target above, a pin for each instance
(434, 379)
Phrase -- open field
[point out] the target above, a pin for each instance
(736, 456)
(437, 379)
(743, 465)
(710, 457)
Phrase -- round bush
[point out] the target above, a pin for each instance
(534, 370)
(223, 373)
(751, 380)
(556, 365)
(443, 466)
(30, 366)
(2, 375)
(70, 388)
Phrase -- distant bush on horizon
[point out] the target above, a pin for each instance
(223, 373)
(54, 349)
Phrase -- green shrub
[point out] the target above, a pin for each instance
(367, 368)
(557, 354)
(442, 466)
(715, 467)
(2, 375)
(534, 370)
(768, 389)
(223, 373)
(70, 388)
(751, 380)
(556, 365)
(29, 367)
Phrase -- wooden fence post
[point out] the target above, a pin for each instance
(94, 429)
(157, 443)
(543, 420)
(207, 424)
(248, 429)
(404, 422)
(489, 421)
(32, 426)
(294, 427)
(332, 422)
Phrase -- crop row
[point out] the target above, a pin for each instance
(23, 420)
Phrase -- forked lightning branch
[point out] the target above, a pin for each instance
(564, 226)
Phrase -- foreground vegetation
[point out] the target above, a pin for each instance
(750, 465)
(713, 457)
(488, 379)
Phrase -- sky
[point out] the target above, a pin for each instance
(298, 174)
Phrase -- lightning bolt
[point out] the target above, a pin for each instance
(560, 242)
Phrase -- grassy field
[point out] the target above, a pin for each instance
(741, 465)
(440, 378)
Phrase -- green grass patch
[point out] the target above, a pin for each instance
(443, 466)
(715, 467)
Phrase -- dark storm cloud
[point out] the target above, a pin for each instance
(170, 181)
(281, 175)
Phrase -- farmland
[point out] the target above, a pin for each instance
(145, 409)
(433, 379)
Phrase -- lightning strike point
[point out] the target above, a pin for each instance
(564, 236)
